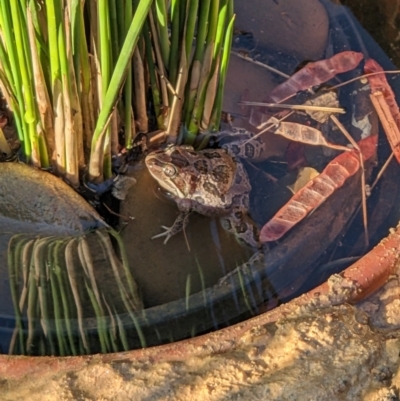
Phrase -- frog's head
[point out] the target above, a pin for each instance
(168, 167)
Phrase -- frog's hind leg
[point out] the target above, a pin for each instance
(242, 143)
(245, 232)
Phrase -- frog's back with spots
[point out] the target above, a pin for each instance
(211, 182)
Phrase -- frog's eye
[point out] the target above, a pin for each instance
(170, 170)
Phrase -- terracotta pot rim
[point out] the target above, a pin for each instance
(359, 280)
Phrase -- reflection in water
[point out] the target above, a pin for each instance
(58, 283)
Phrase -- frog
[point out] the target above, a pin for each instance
(212, 182)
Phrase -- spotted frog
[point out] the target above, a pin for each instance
(211, 182)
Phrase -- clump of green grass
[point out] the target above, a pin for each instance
(63, 64)
(73, 75)
(191, 59)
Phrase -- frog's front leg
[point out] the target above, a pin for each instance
(180, 224)
(242, 228)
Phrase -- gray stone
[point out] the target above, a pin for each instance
(31, 195)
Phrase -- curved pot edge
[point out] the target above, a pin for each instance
(355, 283)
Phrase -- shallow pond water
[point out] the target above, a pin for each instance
(319, 246)
(180, 282)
